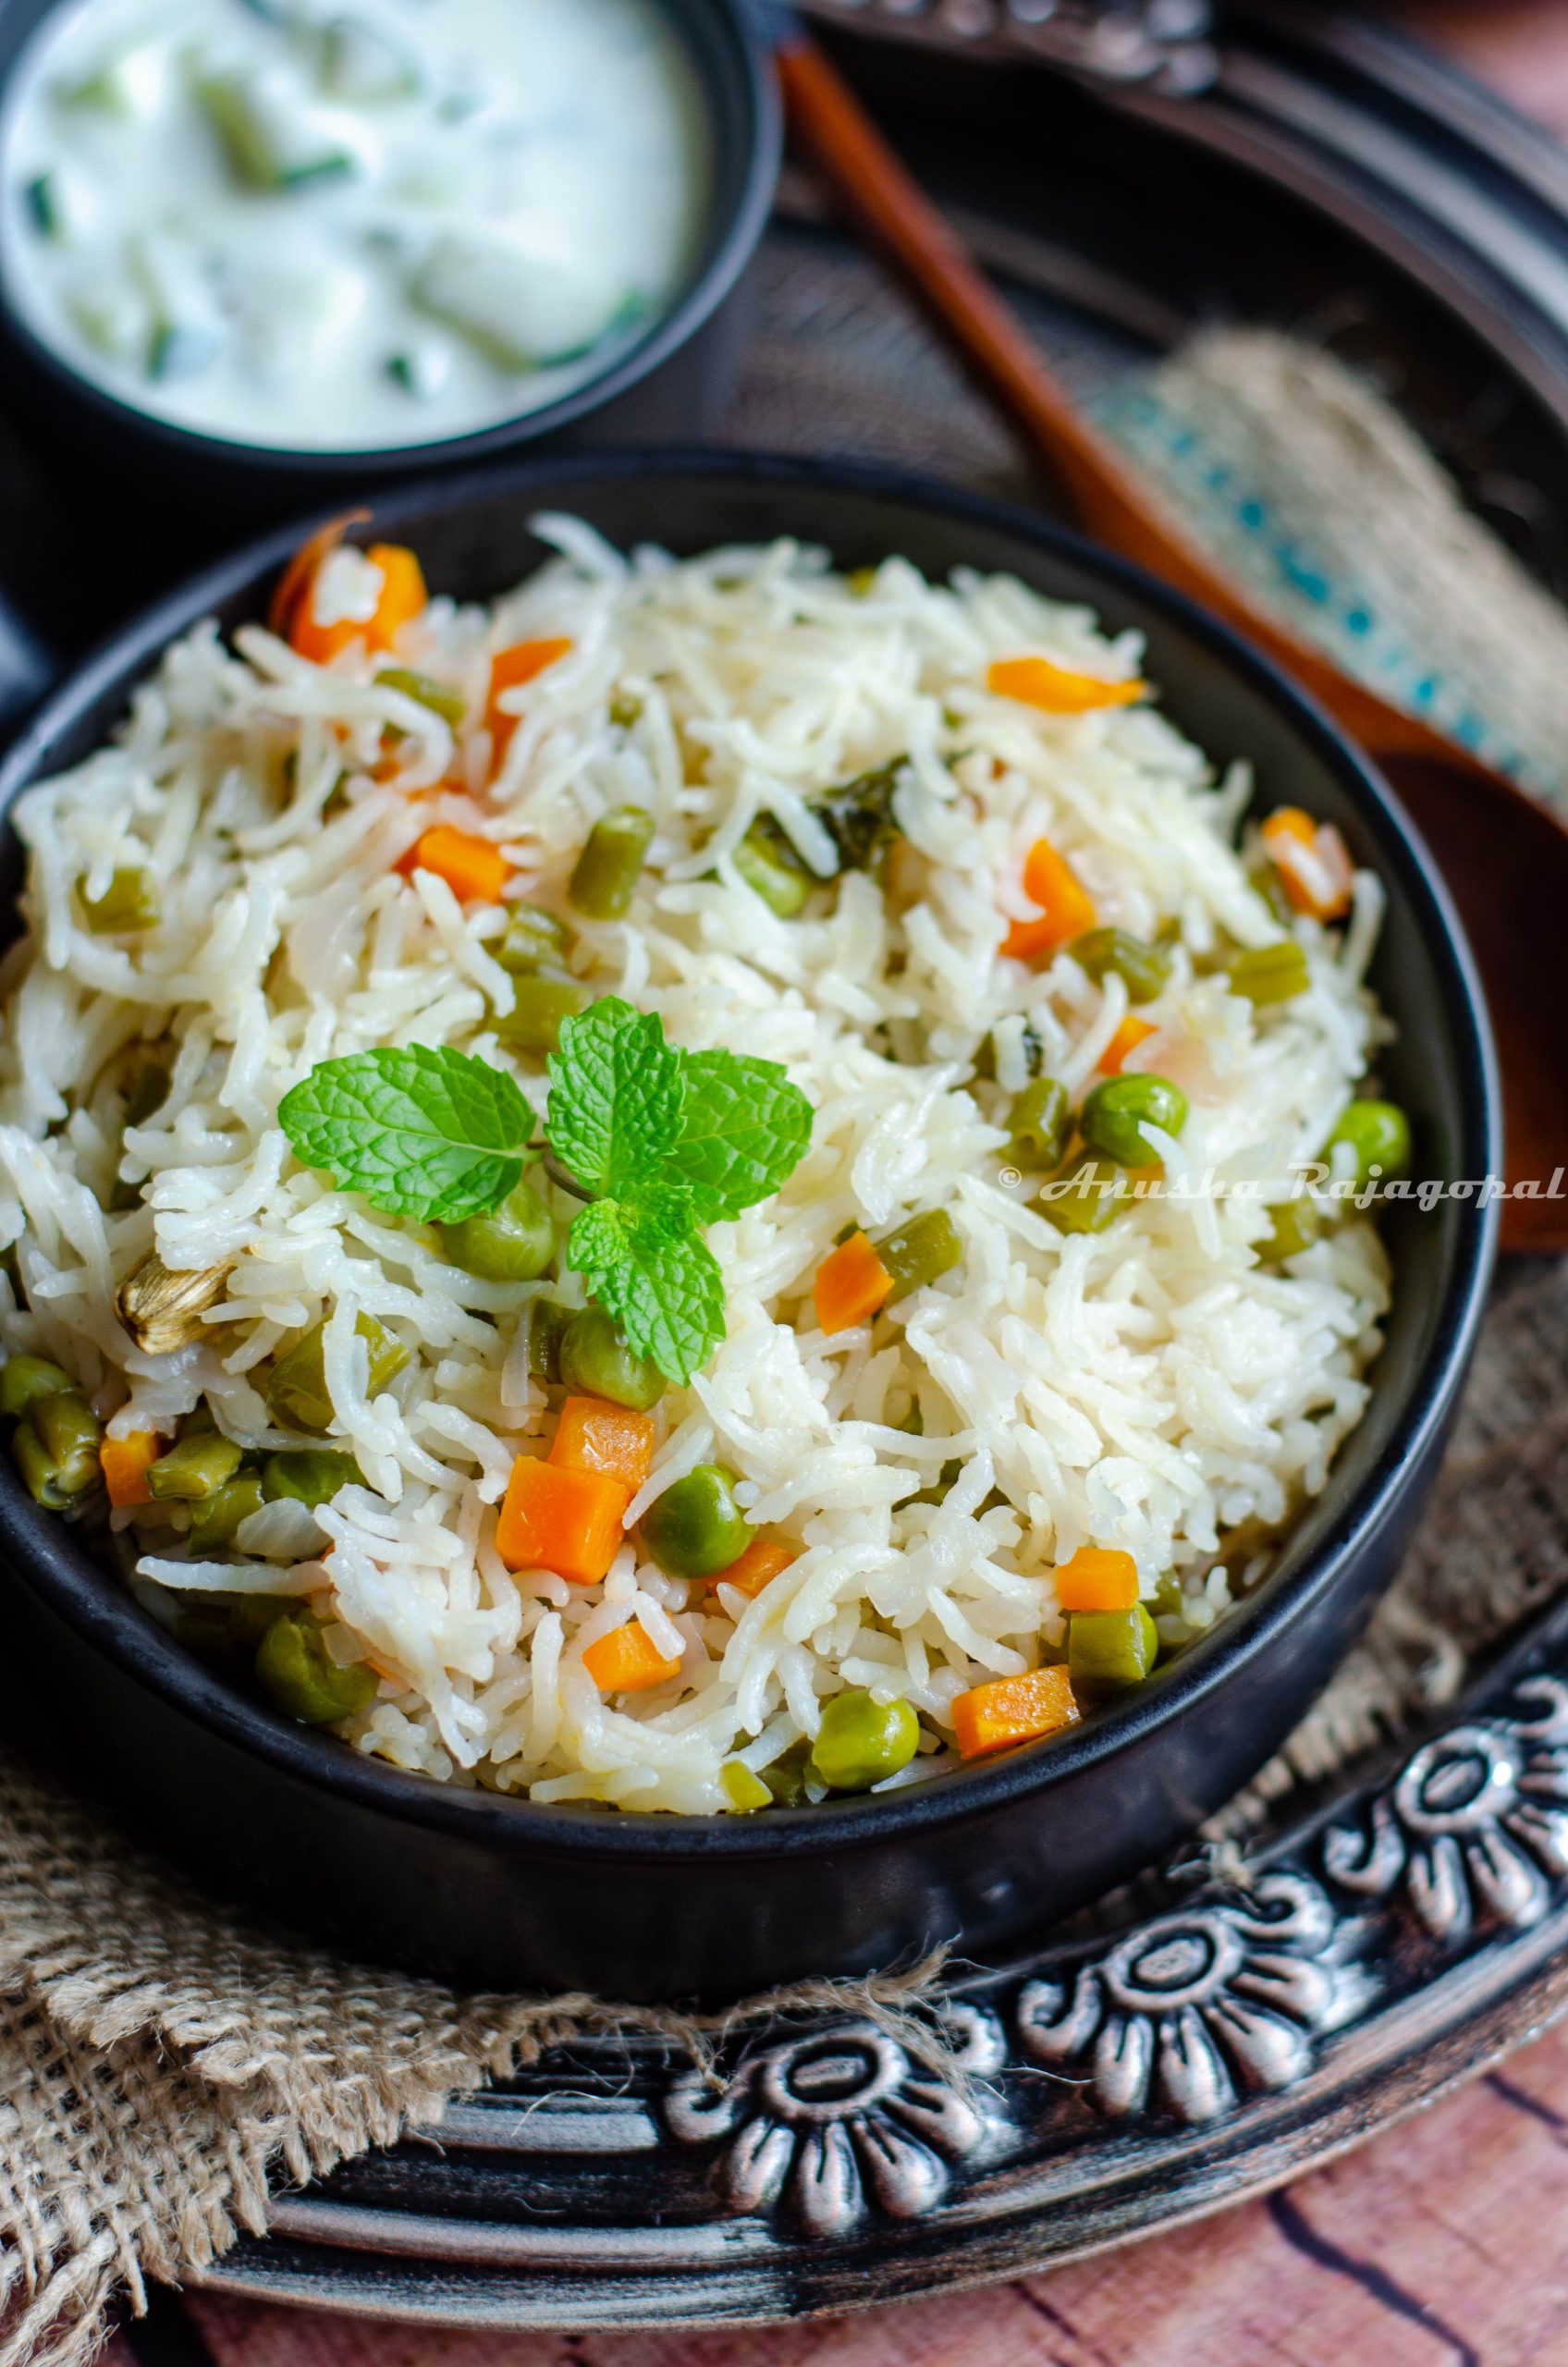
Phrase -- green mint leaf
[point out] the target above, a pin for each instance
(616, 1095)
(645, 1263)
(743, 1130)
(421, 1131)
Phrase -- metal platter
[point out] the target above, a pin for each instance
(1192, 2045)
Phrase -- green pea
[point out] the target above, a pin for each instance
(771, 866)
(24, 1380)
(547, 1320)
(611, 862)
(1293, 1225)
(1040, 1123)
(1116, 1112)
(597, 1358)
(216, 1522)
(513, 1243)
(1143, 968)
(696, 1528)
(624, 709)
(1379, 1133)
(919, 1250)
(862, 1741)
(1085, 1196)
(195, 1468)
(296, 1387)
(309, 1475)
(786, 1779)
(539, 1005)
(438, 696)
(534, 940)
(128, 904)
(1108, 1651)
(746, 1791)
(55, 1479)
(295, 1669)
(1269, 974)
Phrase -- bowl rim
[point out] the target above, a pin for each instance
(46, 1550)
(729, 237)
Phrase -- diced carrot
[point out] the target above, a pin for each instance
(509, 669)
(566, 1521)
(301, 571)
(594, 1435)
(1099, 1578)
(126, 1463)
(1066, 907)
(758, 1566)
(400, 598)
(1127, 1038)
(1037, 682)
(628, 1660)
(475, 868)
(1313, 861)
(1013, 1710)
(851, 1285)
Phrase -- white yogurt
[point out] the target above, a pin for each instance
(340, 225)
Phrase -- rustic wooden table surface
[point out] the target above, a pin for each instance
(1443, 2244)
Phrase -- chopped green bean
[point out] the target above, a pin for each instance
(539, 1005)
(439, 697)
(535, 940)
(1116, 1112)
(128, 904)
(195, 1468)
(1040, 1123)
(597, 1358)
(216, 1522)
(1085, 1197)
(919, 1250)
(1269, 974)
(862, 1741)
(294, 1667)
(744, 1791)
(249, 1616)
(1143, 968)
(1378, 1134)
(611, 862)
(309, 1475)
(24, 1380)
(513, 1243)
(295, 1388)
(55, 1449)
(771, 868)
(1108, 1651)
(696, 1528)
(548, 1321)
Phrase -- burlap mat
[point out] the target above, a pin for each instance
(160, 2061)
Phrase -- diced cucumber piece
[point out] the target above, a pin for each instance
(127, 85)
(53, 203)
(271, 141)
(422, 368)
(289, 308)
(187, 329)
(523, 311)
(365, 66)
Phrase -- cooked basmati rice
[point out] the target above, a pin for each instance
(1152, 1387)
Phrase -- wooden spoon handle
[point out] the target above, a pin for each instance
(877, 192)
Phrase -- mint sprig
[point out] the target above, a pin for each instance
(663, 1142)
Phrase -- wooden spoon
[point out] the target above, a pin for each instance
(1505, 858)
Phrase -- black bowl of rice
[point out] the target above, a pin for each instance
(1071, 1379)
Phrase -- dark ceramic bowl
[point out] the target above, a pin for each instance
(506, 1893)
(669, 383)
